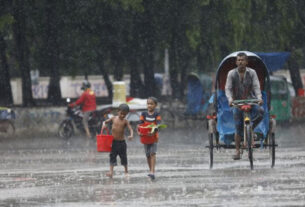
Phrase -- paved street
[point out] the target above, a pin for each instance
(48, 171)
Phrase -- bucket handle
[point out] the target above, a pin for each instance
(107, 130)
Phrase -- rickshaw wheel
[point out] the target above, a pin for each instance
(211, 148)
(271, 143)
(249, 140)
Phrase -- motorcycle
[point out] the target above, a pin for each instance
(7, 126)
(74, 121)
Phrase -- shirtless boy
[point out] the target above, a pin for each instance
(119, 123)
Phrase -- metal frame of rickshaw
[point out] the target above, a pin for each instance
(227, 64)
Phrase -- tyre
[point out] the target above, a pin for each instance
(7, 129)
(211, 148)
(94, 127)
(271, 143)
(65, 129)
(249, 142)
(99, 126)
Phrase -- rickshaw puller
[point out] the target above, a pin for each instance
(242, 83)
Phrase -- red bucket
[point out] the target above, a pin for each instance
(145, 137)
(104, 142)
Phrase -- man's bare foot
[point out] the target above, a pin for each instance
(236, 156)
(109, 174)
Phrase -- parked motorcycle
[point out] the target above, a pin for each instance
(7, 117)
(74, 121)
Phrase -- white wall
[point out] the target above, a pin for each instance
(70, 87)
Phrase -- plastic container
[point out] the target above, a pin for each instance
(104, 141)
(145, 137)
(119, 93)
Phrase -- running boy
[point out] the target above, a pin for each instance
(151, 117)
(119, 123)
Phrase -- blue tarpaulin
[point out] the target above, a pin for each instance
(274, 60)
(225, 120)
(198, 93)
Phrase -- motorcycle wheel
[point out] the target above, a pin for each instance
(7, 128)
(65, 129)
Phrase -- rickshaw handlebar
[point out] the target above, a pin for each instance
(245, 102)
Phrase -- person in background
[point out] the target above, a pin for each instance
(88, 104)
(119, 147)
(151, 117)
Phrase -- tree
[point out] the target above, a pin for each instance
(52, 51)
(22, 51)
(5, 86)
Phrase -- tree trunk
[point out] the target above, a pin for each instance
(174, 67)
(5, 85)
(117, 62)
(52, 53)
(22, 52)
(136, 85)
(149, 79)
(183, 83)
(148, 40)
(295, 74)
(100, 62)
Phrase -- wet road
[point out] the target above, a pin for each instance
(51, 172)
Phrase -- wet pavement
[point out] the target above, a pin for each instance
(49, 171)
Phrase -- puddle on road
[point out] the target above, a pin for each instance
(75, 176)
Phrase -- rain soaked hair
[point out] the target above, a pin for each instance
(154, 99)
(242, 54)
(124, 108)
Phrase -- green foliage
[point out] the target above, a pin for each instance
(5, 20)
(193, 36)
(155, 126)
(125, 34)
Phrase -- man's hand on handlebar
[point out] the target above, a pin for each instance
(246, 101)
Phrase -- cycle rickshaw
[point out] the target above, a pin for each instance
(220, 125)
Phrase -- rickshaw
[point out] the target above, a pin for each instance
(220, 125)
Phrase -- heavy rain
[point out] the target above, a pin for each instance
(51, 172)
(212, 92)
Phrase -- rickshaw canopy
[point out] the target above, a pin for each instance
(225, 121)
(274, 60)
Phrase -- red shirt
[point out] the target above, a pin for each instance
(147, 119)
(87, 100)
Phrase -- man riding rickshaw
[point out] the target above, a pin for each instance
(241, 104)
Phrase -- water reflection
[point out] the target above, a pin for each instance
(45, 172)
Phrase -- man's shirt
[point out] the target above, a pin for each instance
(87, 101)
(246, 88)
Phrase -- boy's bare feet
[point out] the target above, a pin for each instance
(126, 175)
(109, 174)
